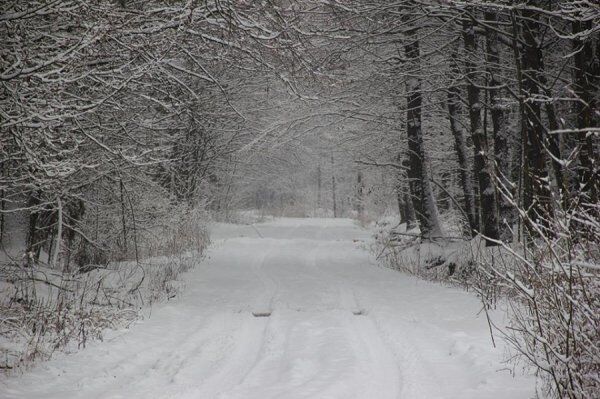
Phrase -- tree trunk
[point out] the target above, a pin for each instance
(123, 220)
(536, 191)
(333, 188)
(3, 173)
(499, 108)
(59, 233)
(32, 231)
(425, 206)
(460, 146)
(553, 143)
(586, 81)
(360, 194)
(318, 188)
(401, 206)
(409, 210)
(487, 197)
(405, 197)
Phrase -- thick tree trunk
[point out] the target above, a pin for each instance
(405, 203)
(553, 143)
(75, 211)
(400, 201)
(536, 190)
(32, 231)
(587, 67)
(487, 197)
(425, 206)
(499, 109)
(460, 146)
(409, 210)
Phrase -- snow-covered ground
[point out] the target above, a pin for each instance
(340, 327)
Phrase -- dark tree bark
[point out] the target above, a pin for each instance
(587, 68)
(360, 195)
(32, 230)
(487, 197)
(3, 173)
(318, 187)
(401, 206)
(499, 109)
(460, 146)
(425, 206)
(123, 217)
(409, 207)
(75, 212)
(333, 188)
(552, 141)
(405, 203)
(536, 190)
(409, 210)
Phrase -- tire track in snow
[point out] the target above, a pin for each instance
(411, 376)
(272, 292)
(247, 340)
(365, 352)
(367, 333)
(380, 368)
(242, 360)
(264, 303)
(222, 350)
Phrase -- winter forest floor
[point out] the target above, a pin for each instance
(340, 327)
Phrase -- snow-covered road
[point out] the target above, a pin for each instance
(340, 327)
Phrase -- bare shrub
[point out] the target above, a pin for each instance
(550, 284)
(554, 287)
(43, 310)
(182, 230)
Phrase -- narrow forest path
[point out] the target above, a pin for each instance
(340, 327)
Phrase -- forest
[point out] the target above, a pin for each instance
(465, 133)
